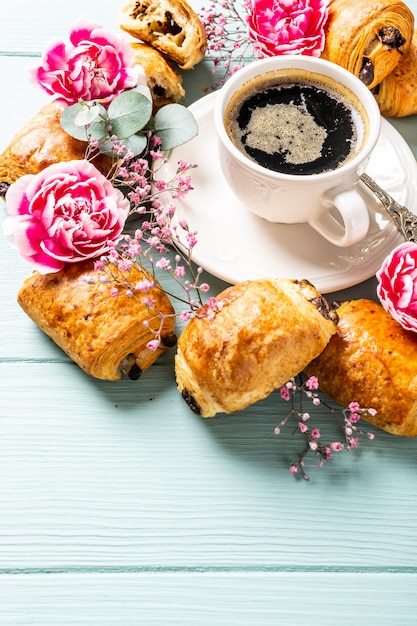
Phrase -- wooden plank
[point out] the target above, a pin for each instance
(124, 474)
(209, 599)
(27, 31)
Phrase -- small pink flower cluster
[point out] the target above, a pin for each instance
(159, 233)
(295, 392)
(228, 43)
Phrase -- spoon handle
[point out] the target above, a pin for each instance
(404, 220)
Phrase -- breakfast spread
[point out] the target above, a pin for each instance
(260, 333)
(375, 42)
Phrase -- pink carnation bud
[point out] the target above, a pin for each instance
(397, 285)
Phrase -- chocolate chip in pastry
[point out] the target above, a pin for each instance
(263, 333)
(41, 142)
(170, 26)
(371, 360)
(162, 79)
(106, 336)
(397, 93)
(368, 38)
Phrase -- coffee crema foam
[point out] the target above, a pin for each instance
(296, 122)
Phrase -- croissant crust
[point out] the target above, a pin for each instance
(106, 336)
(162, 79)
(372, 360)
(41, 142)
(368, 39)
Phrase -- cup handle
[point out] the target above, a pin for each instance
(347, 221)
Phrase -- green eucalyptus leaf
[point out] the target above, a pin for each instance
(106, 148)
(68, 117)
(136, 143)
(72, 117)
(174, 125)
(87, 115)
(128, 113)
(98, 130)
(144, 89)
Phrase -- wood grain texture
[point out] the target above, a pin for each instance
(118, 505)
(208, 599)
(123, 474)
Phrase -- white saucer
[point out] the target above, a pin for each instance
(235, 245)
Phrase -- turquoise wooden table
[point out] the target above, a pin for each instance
(120, 506)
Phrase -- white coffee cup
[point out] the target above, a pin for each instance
(328, 201)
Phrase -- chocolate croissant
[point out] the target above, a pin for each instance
(397, 94)
(105, 335)
(164, 82)
(170, 26)
(41, 142)
(368, 38)
(263, 333)
(372, 360)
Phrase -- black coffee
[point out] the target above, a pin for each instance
(294, 124)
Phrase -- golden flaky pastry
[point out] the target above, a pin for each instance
(170, 26)
(162, 79)
(41, 142)
(368, 38)
(104, 335)
(263, 333)
(372, 360)
(397, 94)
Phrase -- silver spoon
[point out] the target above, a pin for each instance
(404, 220)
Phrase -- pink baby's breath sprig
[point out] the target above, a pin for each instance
(162, 244)
(241, 31)
(228, 45)
(297, 392)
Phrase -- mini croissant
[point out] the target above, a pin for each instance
(105, 335)
(263, 333)
(368, 38)
(372, 360)
(170, 26)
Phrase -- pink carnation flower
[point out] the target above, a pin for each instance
(397, 285)
(288, 26)
(67, 213)
(92, 65)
